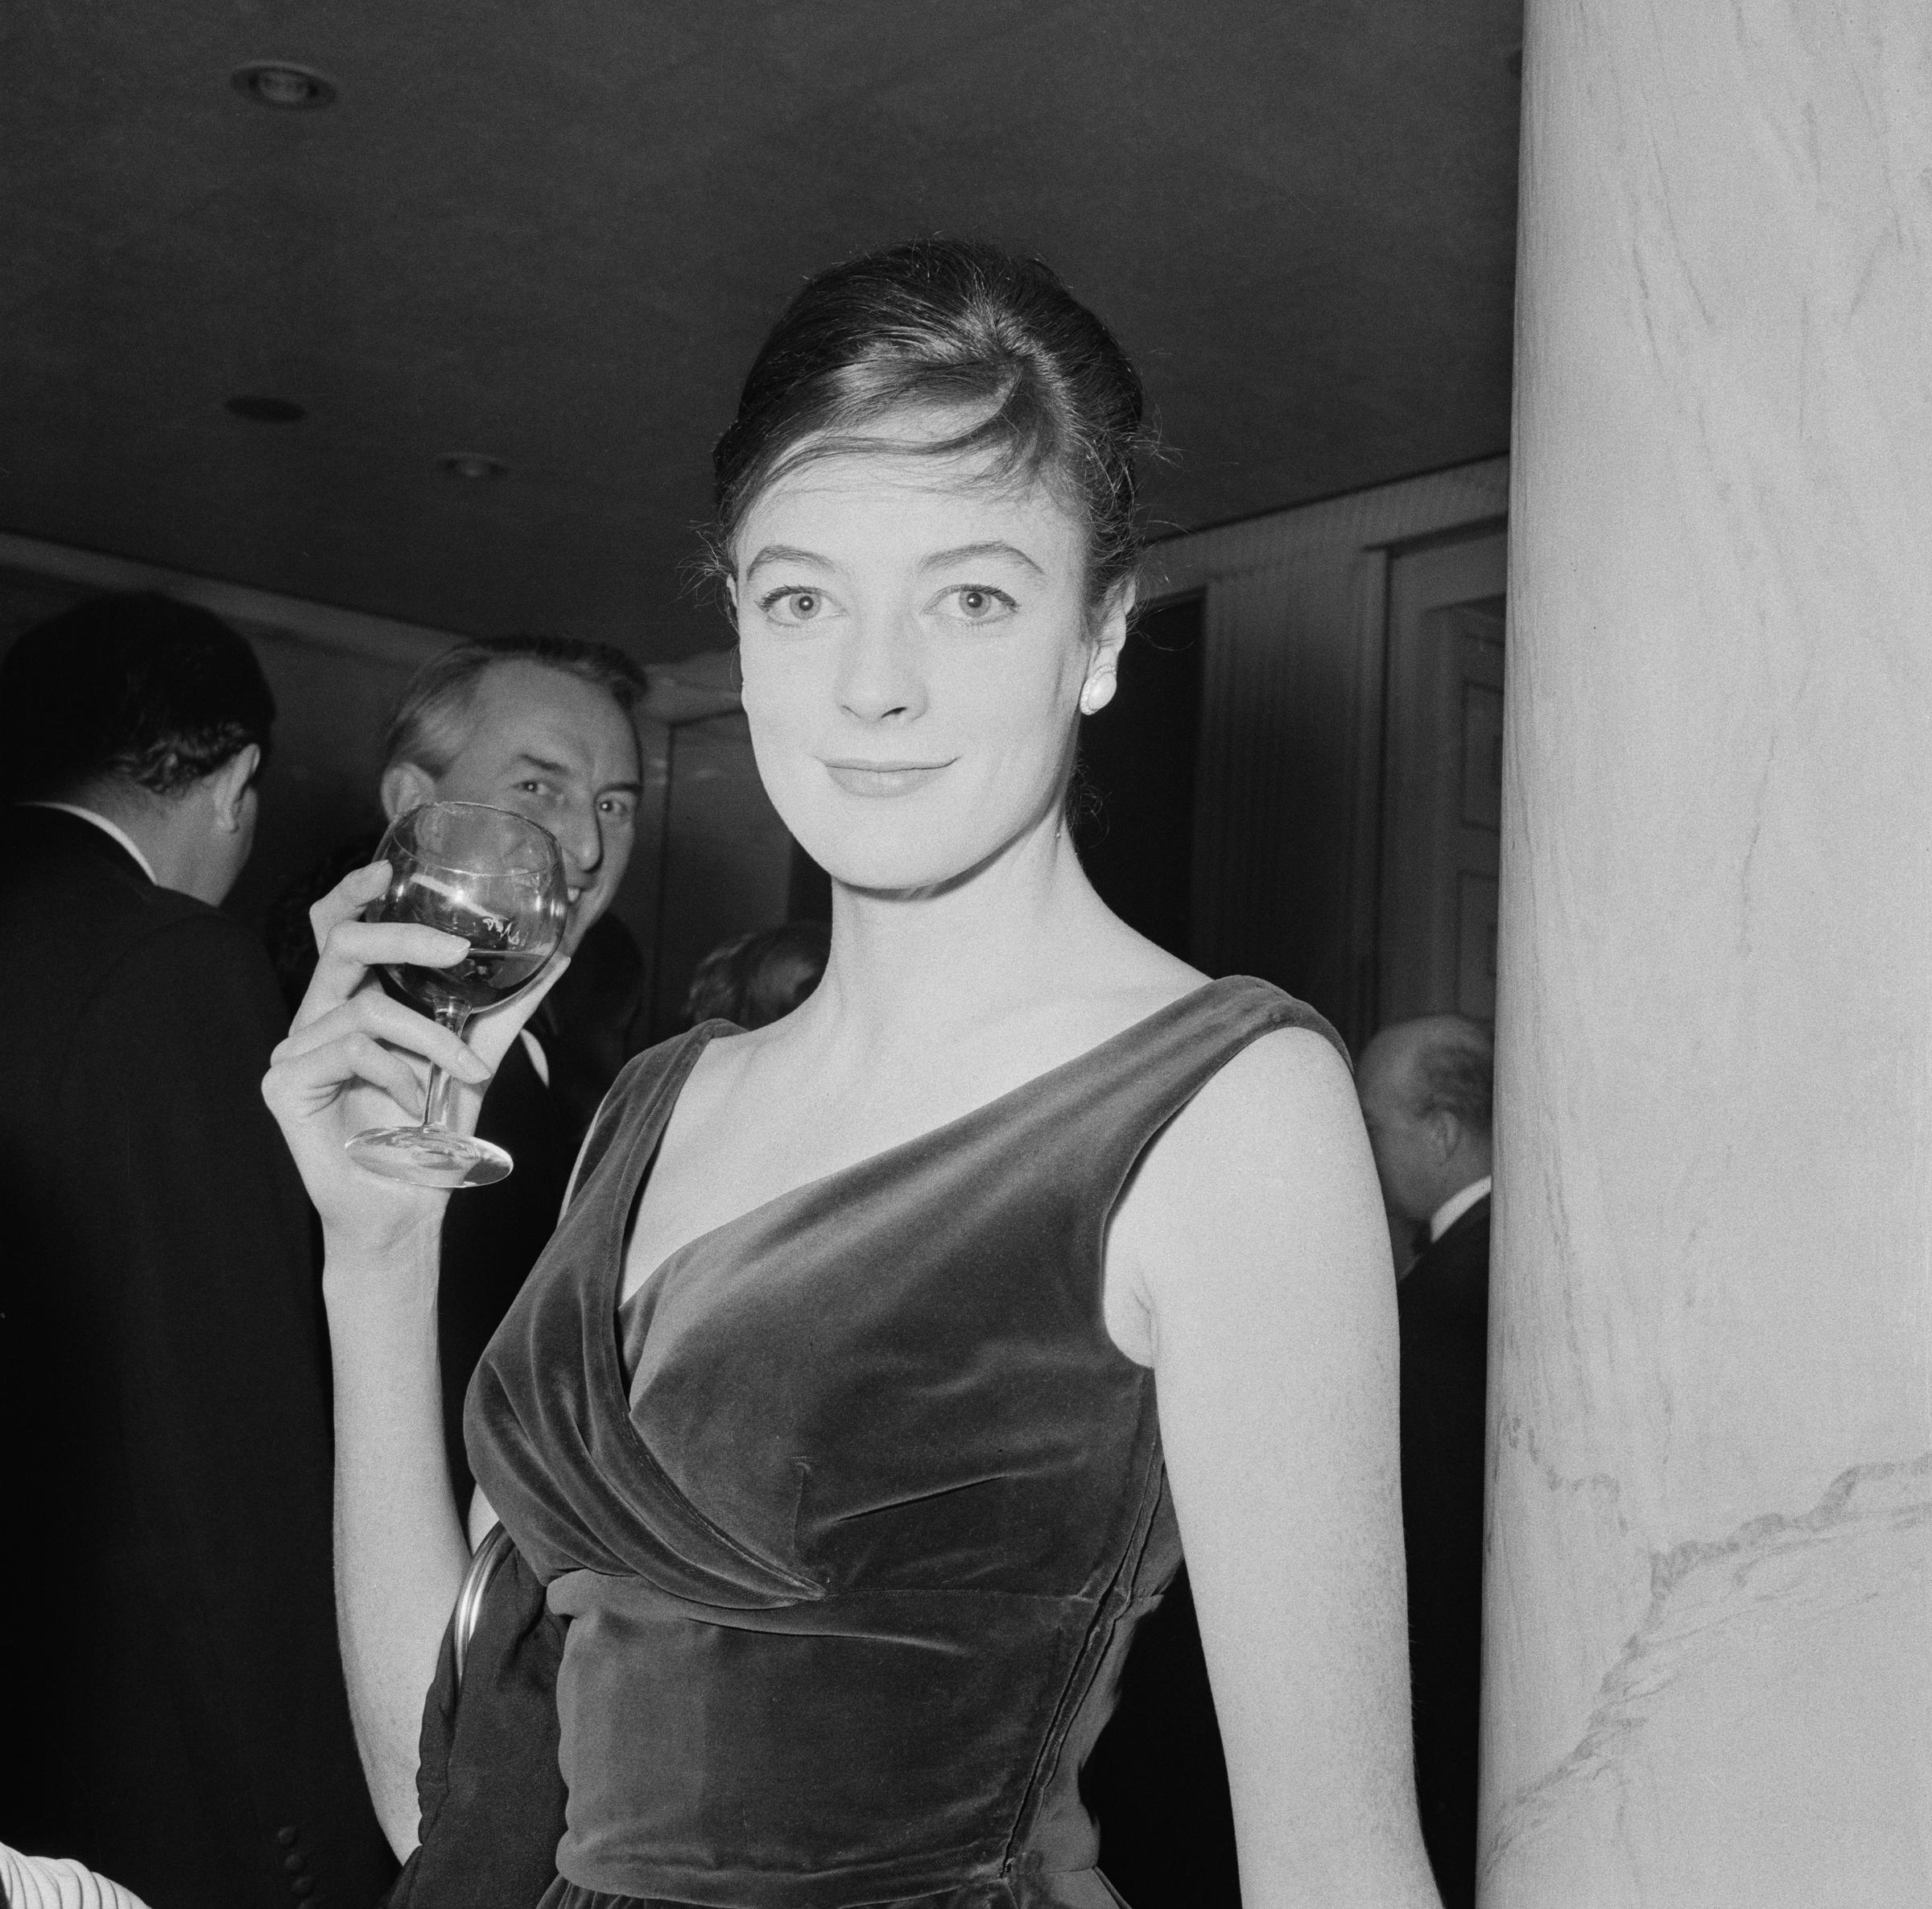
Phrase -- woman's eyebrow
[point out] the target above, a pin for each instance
(940, 559)
(785, 553)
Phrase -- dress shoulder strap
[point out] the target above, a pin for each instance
(1123, 1092)
(635, 1093)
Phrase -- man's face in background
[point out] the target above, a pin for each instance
(557, 750)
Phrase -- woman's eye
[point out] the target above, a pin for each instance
(793, 606)
(979, 603)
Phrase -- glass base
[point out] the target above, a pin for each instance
(428, 1156)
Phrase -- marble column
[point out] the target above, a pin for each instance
(1708, 1651)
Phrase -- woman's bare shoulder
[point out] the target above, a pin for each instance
(1270, 1151)
(1290, 1082)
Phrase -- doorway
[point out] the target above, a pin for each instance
(1443, 787)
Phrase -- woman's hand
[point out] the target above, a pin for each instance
(355, 1059)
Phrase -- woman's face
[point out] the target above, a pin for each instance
(913, 645)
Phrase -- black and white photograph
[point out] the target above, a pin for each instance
(969, 956)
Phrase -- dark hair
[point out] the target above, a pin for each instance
(946, 324)
(137, 688)
(759, 978)
(1455, 1073)
(426, 727)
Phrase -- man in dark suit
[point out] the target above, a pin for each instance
(543, 725)
(175, 1705)
(1425, 1090)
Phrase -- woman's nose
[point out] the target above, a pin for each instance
(880, 677)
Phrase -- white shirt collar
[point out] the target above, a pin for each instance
(1452, 1208)
(538, 1060)
(101, 822)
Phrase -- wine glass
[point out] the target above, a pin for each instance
(496, 879)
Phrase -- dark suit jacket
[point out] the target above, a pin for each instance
(174, 1700)
(1443, 1308)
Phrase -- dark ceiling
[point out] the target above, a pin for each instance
(553, 234)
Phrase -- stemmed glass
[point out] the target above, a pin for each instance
(496, 879)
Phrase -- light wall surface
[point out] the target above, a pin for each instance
(1708, 1650)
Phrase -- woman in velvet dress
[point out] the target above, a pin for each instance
(885, 1358)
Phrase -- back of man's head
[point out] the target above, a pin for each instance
(134, 689)
(430, 724)
(759, 978)
(1425, 1090)
(1453, 1071)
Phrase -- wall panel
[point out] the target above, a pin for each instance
(1291, 749)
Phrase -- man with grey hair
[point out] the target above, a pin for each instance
(543, 725)
(540, 725)
(1425, 1090)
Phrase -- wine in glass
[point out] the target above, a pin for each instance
(496, 879)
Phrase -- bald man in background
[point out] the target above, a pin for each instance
(1426, 1088)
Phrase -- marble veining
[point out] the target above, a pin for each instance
(1706, 1675)
(1515, 1433)
(1873, 1522)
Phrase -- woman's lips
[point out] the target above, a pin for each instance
(883, 778)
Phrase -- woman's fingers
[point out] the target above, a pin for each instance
(359, 945)
(354, 946)
(347, 899)
(348, 1031)
(300, 1083)
(372, 1012)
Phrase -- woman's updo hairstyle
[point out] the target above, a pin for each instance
(954, 325)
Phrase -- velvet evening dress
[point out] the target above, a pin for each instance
(851, 1511)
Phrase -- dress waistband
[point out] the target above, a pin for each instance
(864, 1749)
(1026, 1887)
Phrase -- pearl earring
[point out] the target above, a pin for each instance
(1098, 692)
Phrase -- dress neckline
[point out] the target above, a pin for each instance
(671, 1089)
(643, 1149)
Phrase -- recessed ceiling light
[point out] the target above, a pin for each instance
(268, 411)
(471, 463)
(289, 88)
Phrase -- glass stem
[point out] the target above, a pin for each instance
(452, 1015)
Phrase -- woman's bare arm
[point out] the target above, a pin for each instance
(354, 1059)
(400, 1549)
(1255, 1238)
